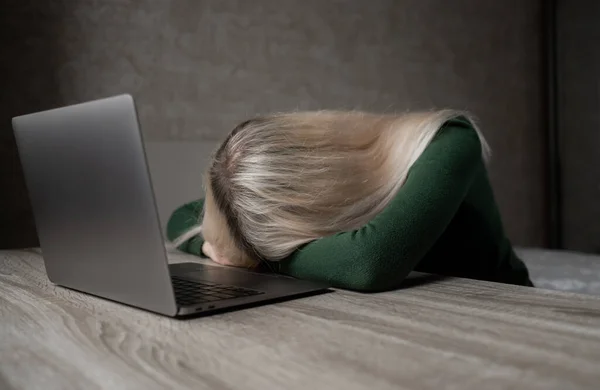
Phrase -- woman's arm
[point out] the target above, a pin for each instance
(382, 253)
(182, 219)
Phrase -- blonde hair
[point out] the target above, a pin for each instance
(283, 180)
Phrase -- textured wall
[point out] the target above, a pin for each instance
(579, 121)
(196, 68)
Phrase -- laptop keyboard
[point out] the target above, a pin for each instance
(190, 292)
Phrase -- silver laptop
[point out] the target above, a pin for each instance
(94, 207)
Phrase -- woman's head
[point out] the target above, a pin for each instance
(283, 180)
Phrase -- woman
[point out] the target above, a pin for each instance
(354, 199)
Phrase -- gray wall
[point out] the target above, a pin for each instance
(579, 121)
(197, 68)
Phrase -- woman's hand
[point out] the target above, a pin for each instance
(214, 255)
(241, 260)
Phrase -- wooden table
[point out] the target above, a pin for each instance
(444, 334)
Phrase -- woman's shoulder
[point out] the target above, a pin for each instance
(458, 142)
(459, 121)
(464, 133)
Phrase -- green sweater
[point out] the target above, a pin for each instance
(444, 220)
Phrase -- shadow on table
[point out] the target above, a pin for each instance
(416, 279)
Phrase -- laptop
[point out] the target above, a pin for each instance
(94, 207)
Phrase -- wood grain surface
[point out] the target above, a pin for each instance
(443, 334)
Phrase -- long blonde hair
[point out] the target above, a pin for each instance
(280, 181)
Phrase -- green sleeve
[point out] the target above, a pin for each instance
(183, 219)
(380, 255)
